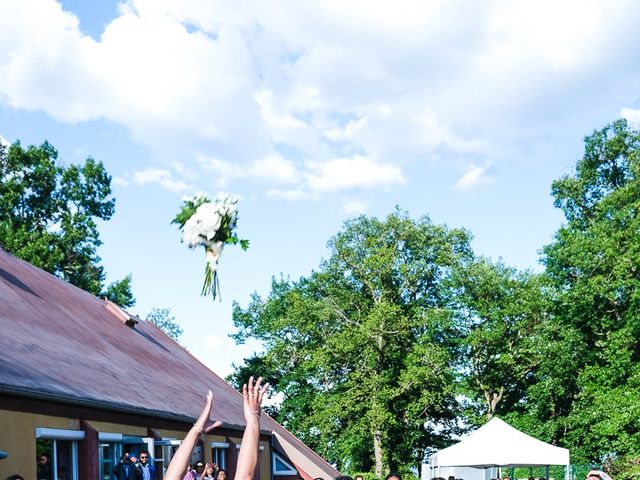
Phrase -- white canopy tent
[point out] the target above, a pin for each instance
(498, 444)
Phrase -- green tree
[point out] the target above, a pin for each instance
(587, 390)
(363, 348)
(120, 292)
(48, 215)
(503, 309)
(162, 318)
(256, 366)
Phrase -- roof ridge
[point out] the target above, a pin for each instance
(61, 281)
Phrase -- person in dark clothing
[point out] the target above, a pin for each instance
(44, 467)
(146, 467)
(125, 469)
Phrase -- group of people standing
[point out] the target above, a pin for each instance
(130, 467)
(205, 471)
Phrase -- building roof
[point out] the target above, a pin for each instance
(61, 343)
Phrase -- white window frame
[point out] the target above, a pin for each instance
(116, 454)
(109, 437)
(238, 445)
(116, 441)
(291, 471)
(221, 446)
(167, 444)
(59, 434)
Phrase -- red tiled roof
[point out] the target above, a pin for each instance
(63, 343)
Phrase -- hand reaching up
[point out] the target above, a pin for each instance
(252, 394)
(180, 459)
(204, 424)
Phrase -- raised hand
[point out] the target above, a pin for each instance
(252, 394)
(204, 424)
(180, 460)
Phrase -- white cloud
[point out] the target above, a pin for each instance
(147, 72)
(120, 181)
(354, 207)
(213, 341)
(185, 171)
(323, 80)
(277, 120)
(270, 169)
(353, 172)
(349, 131)
(161, 177)
(225, 171)
(632, 116)
(291, 194)
(276, 169)
(475, 176)
(435, 135)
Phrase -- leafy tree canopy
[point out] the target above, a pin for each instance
(587, 391)
(363, 348)
(48, 215)
(162, 318)
(503, 311)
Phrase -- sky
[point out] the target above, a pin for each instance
(313, 113)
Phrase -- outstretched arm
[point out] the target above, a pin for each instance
(180, 460)
(248, 457)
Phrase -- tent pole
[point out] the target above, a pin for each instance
(546, 471)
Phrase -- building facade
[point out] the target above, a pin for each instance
(82, 382)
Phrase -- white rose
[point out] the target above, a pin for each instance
(206, 220)
(191, 234)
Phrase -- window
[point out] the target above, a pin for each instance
(112, 446)
(163, 453)
(281, 466)
(219, 453)
(109, 454)
(158, 460)
(58, 451)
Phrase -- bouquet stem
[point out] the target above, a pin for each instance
(211, 284)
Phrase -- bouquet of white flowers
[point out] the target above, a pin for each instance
(210, 224)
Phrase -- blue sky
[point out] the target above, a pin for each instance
(313, 112)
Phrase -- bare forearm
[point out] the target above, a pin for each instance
(248, 456)
(180, 460)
